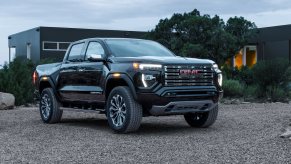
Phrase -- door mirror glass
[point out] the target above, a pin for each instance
(95, 57)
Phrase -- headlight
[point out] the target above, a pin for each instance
(148, 74)
(219, 79)
(215, 67)
(150, 66)
(148, 80)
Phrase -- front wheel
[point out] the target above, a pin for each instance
(124, 114)
(49, 107)
(202, 120)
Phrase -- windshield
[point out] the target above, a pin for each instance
(135, 48)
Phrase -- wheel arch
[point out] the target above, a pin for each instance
(122, 80)
(47, 83)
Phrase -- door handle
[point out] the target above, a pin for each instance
(81, 69)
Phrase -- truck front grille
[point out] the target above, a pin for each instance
(188, 75)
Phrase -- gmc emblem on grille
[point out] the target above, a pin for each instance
(189, 72)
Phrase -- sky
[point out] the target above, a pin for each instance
(137, 15)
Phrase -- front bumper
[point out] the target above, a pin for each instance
(182, 107)
(163, 95)
(179, 100)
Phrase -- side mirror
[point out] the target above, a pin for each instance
(95, 58)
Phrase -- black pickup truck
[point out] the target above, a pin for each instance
(127, 79)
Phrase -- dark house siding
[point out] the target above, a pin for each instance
(277, 49)
(20, 41)
(274, 42)
(73, 34)
(37, 36)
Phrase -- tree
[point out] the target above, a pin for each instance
(16, 78)
(195, 35)
(242, 30)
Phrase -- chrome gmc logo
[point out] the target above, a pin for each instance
(189, 72)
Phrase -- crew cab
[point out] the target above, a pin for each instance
(128, 79)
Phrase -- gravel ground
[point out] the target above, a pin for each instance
(246, 133)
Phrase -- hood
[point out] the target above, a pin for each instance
(48, 69)
(161, 60)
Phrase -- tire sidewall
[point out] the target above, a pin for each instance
(207, 120)
(46, 91)
(121, 91)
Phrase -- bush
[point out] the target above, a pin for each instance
(227, 71)
(16, 78)
(250, 92)
(275, 93)
(272, 77)
(266, 80)
(243, 74)
(232, 88)
(246, 75)
(272, 73)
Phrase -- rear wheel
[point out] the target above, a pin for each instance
(202, 120)
(49, 107)
(124, 114)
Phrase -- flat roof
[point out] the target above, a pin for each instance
(70, 28)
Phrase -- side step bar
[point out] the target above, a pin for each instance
(102, 111)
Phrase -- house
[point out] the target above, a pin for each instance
(270, 43)
(52, 42)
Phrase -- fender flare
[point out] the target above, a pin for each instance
(128, 81)
(49, 80)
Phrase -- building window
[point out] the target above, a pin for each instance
(28, 51)
(246, 57)
(251, 56)
(12, 53)
(55, 46)
(63, 46)
(50, 45)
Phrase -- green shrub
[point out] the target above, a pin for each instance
(232, 88)
(227, 71)
(275, 93)
(16, 78)
(244, 74)
(272, 73)
(250, 92)
(269, 79)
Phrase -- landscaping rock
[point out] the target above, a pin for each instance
(287, 133)
(235, 101)
(7, 101)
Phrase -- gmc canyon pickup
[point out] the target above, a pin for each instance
(127, 79)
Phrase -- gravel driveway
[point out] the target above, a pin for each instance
(246, 133)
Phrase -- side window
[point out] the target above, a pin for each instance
(94, 48)
(75, 52)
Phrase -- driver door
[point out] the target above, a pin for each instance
(91, 74)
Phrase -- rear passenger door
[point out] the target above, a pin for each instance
(69, 83)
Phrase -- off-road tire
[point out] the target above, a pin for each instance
(133, 115)
(205, 120)
(54, 114)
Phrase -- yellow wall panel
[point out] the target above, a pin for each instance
(250, 58)
(238, 60)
